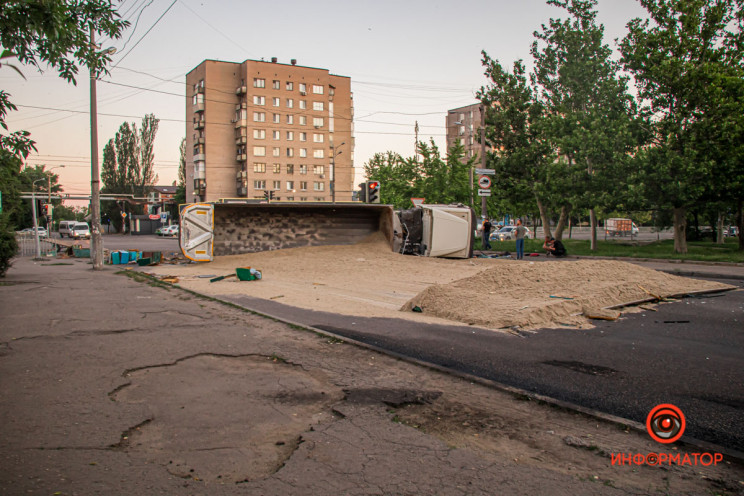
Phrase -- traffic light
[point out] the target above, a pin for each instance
(269, 195)
(363, 192)
(373, 191)
(48, 209)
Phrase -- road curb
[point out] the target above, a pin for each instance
(606, 417)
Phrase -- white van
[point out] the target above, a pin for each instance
(65, 228)
(80, 230)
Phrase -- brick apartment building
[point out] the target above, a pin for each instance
(464, 123)
(258, 126)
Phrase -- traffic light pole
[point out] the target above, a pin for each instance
(484, 206)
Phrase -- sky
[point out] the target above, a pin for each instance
(409, 61)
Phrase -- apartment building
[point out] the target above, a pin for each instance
(464, 123)
(257, 127)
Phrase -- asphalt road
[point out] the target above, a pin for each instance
(688, 353)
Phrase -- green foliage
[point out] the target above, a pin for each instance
(8, 244)
(53, 32)
(431, 177)
(687, 68)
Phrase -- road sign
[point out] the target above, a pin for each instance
(484, 192)
(417, 201)
(487, 172)
(154, 217)
(484, 182)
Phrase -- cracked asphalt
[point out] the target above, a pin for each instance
(112, 385)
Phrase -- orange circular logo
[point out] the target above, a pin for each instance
(665, 423)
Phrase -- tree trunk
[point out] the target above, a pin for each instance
(543, 217)
(680, 235)
(719, 230)
(565, 210)
(593, 223)
(740, 221)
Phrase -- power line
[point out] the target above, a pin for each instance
(146, 33)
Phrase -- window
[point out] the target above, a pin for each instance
(290, 86)
(290, 135)
(303, 104)
(290, 185)
(259, 151)
(319, 169)
(318, 121)
(277, 185)
(275, 101)
(303, 169)
(259, 100)
(461, 130)
(303, 152)
(276, 134)
(259, 83)
(318, 138)
(317, 89)
(318, 106)
(290, 169)
(276, 152)
(318, 186)
(277, 168)
(259, 184)
(462, 117)
(259, 134)
(290, 152)
(275, 84)
(303, 136)
(318, 153)
(198, 98)
(259, 116)
(303, 198)
(303, 185)
(303, 120)
(290, 119)
(277, 118)
(290, 103)
(303, 88)
(259, 167)
(290, 198)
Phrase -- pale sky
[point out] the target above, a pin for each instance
(409, 60)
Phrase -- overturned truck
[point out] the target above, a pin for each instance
(231, 228)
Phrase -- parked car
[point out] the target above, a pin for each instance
(81, 230)
(168, 230)
(29, 231)
(507, 233)
(731, 231)
(65, 228)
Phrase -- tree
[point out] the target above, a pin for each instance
(587, 109)
(53, 32)
(180, 196)
(686, 64)
(514, 126)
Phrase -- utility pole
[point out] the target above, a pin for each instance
(483, 156)
(96, 240)
(415, 151)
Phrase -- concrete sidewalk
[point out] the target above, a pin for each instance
(118, 386)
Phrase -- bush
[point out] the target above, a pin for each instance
(8, 245)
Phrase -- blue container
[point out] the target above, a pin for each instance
(115, 258)
(124, 257)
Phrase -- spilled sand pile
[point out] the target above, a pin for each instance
(550, 294)
(369, 280)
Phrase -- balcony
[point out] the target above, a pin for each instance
(241, 90)
(199, 107)
(241, 140)
(199, 124)
(199, 157)
(199, 141)
(200, 186)
(241, 157)
(241, 123)
(240, 106)
(242, 191)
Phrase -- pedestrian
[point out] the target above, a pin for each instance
(520, 233)
(554, 247)
(487, 234)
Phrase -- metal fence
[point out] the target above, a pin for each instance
(27, 246)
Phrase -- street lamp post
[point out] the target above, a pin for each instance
(36, 223)
(49, 196)
(333, 170)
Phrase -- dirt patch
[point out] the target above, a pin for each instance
(369, 280)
